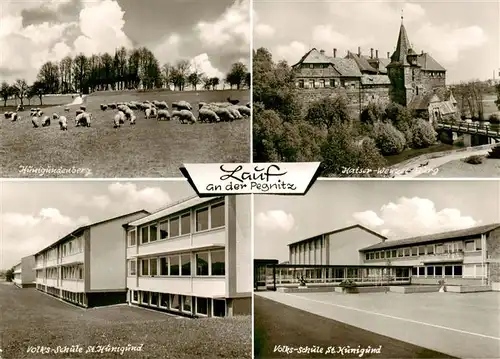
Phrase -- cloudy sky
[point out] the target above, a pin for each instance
(463, 36)
(396, 209)
(213, 34)
(36, 213)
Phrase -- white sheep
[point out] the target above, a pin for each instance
(223, 113)
(63, 123)
(34, 121)
(55, 116)
(112, 106)
(104, 107)
(79, 112)
(46, 121)
(7, 114)
(83, 108)
(184, 116)
(243, 110)
(162, 105)
(14, 116)
(234, 112)
(83, 119)
(182, 105)
(66, 109)
(20, 108)
(163, 114)
(39, 113)
(119, 119)
(207, 115)
(132, 120)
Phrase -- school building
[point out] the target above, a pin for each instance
(87, 266)
(24, 275)
(462, 257)
(192, 258)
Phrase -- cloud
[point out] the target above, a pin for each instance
(202, 64)
(232, 28)
(291, 52)
(264, 30)
(447, 42)
(275, 220)
(50, 215)
(19, 220)
(101, 24)
(135, 199)
(415, 216)
(55, 216)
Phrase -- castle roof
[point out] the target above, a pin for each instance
(345, 67)
(402, 48)
(362, 63)
(428, 63)
(375, 80)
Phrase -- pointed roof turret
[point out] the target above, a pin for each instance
(403, 47)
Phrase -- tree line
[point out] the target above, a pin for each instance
(126, 69)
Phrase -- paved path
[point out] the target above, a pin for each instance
(433, 164)
(443, 322)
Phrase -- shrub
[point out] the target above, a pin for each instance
(372, 113)
(494, 118)
(328, 111)
(401, 117)
(388, 139)
(474, 160)
(423, 134)
(347, 283)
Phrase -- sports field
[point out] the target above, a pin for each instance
(458, 325)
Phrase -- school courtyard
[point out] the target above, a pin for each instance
(29, 319)
(416, 325)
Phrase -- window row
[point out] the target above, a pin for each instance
(466, 270)
(210, 263)
(180, 303)
(210, 217)
(72, 247)
(72, 272)
(431, 249)
(52, 273)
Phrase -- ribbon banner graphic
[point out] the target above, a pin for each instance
(246, 178)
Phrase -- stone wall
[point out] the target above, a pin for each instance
(367, 95)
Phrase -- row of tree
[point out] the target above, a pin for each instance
(135, 69)
(286, 130)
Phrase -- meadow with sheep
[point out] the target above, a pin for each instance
(128, 133)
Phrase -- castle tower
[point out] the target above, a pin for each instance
(403, 70)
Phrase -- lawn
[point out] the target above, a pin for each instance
(31, 318)
(148, 149)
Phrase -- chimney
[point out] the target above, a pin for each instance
(376, 54)
(371, 53)
(334, 53)
(322, 52)
(359, 50)
(388, 55)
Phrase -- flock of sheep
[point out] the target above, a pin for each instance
(182, 110)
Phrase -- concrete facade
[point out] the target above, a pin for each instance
(24, 275)
(87, 266)
(192, 258)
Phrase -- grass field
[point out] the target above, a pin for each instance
(278, 324)
(458, 325)
(148, 149)
(30, 318)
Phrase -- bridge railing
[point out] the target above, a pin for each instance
(470, 127)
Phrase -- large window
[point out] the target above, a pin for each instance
(439, 271)
(430, 249)
(393, 253)
(186, 264)
(414, 251)
(164, 300)
(439, 249)
(135, 296)
(457, 271)
(144, 235)
(145, 267)
(202, 219)
(400, 252)
(377, 255)
(145, 298)
(218, 262)
(153, 266)
(164, 266)
(421, 250)
(430, 271)
(174, 265)
(175, 302)
(154, 299)
(174, 227)
(202, 306)
(407, 252)
(186, 303)
(131, 238)
(186, 224)
(478, 245)
(219, 308)
(202, 263)
(448, 270)
(153, 233)
(132, 267)
(372, 255)
(217, 215)
(164, 230)
(421, 271)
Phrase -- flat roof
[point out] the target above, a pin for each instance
(461, 233)
(82, 228)
(338, 266)
(341, 230)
